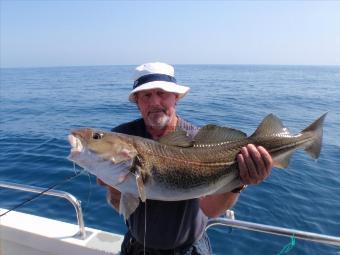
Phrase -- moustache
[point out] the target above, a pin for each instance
(156, 110)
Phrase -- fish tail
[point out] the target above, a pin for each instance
(316, 128)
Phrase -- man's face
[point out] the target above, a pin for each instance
(157, 107)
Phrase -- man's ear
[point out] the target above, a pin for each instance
(137, 106)
(136, 101)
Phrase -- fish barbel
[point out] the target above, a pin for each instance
(178, 167)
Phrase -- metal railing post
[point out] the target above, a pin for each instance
(325, 239)
(55, 193)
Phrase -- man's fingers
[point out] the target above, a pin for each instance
(243, 169)
(255, 164)
(247, 169)
(257, 159)
(251, 167)
(267, 159)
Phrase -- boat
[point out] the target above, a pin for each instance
(23, 233)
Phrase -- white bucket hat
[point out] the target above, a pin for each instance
(156, 75)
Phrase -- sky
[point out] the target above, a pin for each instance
(82, 33)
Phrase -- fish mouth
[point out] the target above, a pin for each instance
(76, 146)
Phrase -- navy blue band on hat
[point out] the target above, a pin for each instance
(153, 77)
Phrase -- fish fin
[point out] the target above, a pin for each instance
(281, 160)
(177, 138)
(140, 187)
(140, 182)
(229, 186)
(314, 148)
(122, 178)
(128, 204)
(271, 126)
(215, 134)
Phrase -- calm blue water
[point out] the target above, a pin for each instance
(40, 105)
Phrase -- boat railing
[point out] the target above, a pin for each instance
(55, 193)
(230, 221)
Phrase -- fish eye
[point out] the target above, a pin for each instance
(97, 136)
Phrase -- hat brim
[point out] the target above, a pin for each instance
(164, 85)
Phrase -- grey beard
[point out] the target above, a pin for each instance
(160, 123)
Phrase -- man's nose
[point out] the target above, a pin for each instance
(154, 100)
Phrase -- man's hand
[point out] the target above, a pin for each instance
(255, 164)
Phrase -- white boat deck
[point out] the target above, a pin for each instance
(26, 234)
(22, 233)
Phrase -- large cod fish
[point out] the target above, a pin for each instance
(178, 167)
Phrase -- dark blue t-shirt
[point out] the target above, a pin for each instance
(169, 224)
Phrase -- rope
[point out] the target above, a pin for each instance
(288, 247)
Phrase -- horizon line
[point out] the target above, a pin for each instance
(200, 64)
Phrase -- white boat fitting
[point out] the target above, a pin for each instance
(22, 233)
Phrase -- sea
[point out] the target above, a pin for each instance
(39, 107)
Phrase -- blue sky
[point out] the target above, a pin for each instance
(72, 33)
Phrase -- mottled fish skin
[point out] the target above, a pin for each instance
(191, 167)
(182, 169)
(185, 168)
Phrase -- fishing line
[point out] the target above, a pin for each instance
(74, 168)
(144, 225)
(89, 191)
(90, 185)
(41, 193)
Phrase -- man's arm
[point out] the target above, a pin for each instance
(255, 165)
(215, 205)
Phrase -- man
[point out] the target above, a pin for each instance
(175, 227)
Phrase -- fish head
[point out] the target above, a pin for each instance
(114, 147)
(107, 155)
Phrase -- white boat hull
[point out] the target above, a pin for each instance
(22, 233)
